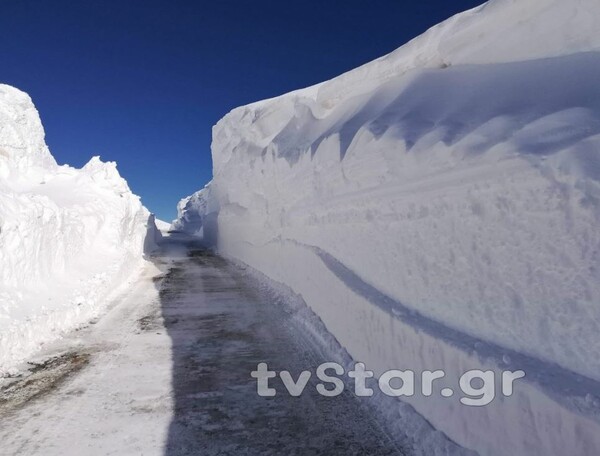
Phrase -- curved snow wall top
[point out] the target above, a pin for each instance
(438, 209)
(68, 237)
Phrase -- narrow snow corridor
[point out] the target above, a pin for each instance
(167, 371)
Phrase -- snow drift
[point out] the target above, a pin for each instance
(438, 208)
(68, 237)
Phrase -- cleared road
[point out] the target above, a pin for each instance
(167, 371)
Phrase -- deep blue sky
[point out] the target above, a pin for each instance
(142, 82)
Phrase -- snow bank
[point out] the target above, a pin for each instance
(68, 237)
(190, 213)
(438, 208)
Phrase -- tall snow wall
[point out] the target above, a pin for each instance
(438, 208)
(68, 237)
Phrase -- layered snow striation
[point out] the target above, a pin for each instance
(68, 237)
(438, 208)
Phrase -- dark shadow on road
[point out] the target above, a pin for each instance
(221, 325)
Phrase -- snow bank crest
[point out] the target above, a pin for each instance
(22, 145)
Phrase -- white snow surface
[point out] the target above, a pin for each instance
(68, 237)
(162, 225)
(438, 208)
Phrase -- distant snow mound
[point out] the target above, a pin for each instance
(438, 208)
(67, 237)
(191, 212)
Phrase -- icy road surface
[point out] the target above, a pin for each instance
(167, 371)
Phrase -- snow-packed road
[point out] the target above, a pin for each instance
(167, 371)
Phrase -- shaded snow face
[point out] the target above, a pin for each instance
(469, 193)
(68, 237)
(191, 212)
